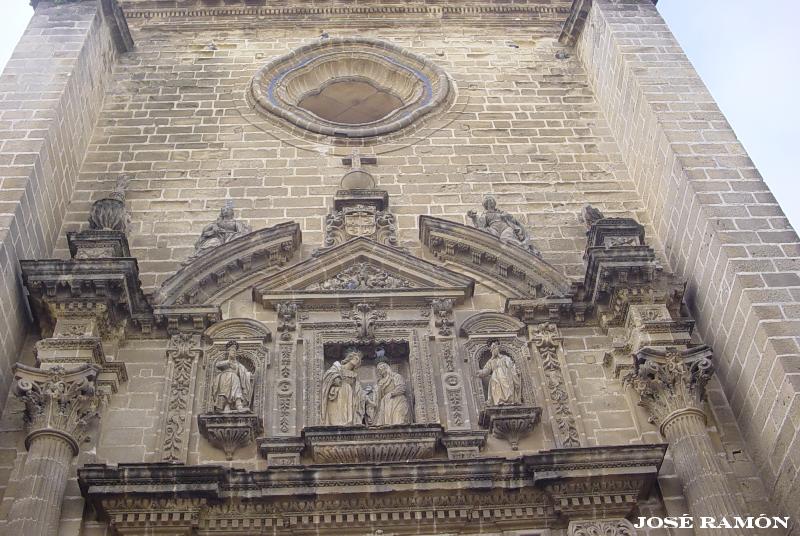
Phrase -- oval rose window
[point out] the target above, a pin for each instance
(350, 87)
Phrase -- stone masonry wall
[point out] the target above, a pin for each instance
(720, 226)
(51, 92)
(528, 131)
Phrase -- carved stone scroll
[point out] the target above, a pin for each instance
(562, 414)
(182, 358)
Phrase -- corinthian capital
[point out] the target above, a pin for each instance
(58, 401)
(672, 382)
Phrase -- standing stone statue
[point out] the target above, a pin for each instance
(221, 231)
(502, 225)
(343, 399)
(390, 398)
(505, 387)
(233, 385)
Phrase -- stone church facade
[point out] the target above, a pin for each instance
(384, 268)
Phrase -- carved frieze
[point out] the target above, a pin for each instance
(534, 491)
(361, 271)
(374, 445)
(362, 276)
(547, 341)
(182, 358)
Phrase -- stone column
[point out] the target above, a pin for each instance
(671, 385)
(59, 406)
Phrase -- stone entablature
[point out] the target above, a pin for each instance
(544, 490)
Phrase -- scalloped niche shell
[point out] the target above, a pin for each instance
(350, 87)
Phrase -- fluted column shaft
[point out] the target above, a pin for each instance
(37, 508)
(702, 473)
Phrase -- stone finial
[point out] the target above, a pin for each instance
(109, 213)
(58, 401)
(503, 225)
(671, 382)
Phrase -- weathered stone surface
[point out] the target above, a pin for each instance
(545, 129)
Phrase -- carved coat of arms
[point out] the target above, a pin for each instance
(359, 221)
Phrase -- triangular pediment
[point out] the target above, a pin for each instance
(363, 268)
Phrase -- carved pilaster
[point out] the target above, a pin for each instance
(562, 415)
(453, 385)
(671, 385)
(285, 422)
(182, 356)
(60, 406)
(601, 527)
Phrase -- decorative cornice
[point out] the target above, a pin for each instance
(499, 13)
(226, 266)
(510, 267)
(409, 279)
(550, 487)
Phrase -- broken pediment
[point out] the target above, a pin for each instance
(519, 272)
(361, 268)
(226, 268)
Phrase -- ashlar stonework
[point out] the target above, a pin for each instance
(396, 268)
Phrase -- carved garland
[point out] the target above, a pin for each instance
(547, 343)
(182, 355)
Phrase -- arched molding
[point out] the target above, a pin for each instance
(238, 329)
(218, 274)
(490, 324)
(419, 86)
(483, 254)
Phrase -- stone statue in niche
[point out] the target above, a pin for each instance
(390, 398)
(221, 231)
(505, 386)
(344, 401)
(233, 384)
(502, 225)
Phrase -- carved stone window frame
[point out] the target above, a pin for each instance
(420, 382)
(252, 337)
